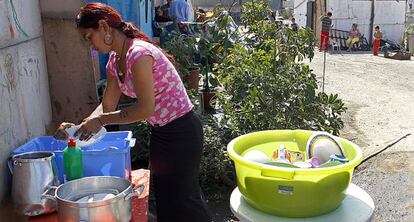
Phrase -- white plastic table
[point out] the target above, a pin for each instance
(357, 206)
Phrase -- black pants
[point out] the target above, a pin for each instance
(175, 152)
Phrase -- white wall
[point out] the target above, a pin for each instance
(389, 15)
(299, 12)
(22, 25)
(24, 90)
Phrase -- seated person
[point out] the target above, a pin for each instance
(354, 35)
(181, 12)
(162, 12)
(201, 15)
(166, 9)
(159, 15)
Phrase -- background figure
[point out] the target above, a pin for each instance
(166, 9)
(326, 27)
(377, 40)
(181, 11)
(353, 39)
(162, 12)
(294, 26)
(201, 15)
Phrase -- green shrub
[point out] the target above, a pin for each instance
(267, 86)
(217, 174)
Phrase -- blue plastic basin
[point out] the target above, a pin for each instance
(108, 157)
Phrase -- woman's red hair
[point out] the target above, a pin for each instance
(90, 15)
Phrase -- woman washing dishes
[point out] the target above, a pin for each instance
(140, 69)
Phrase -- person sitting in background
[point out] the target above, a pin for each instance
(160, 15)
(353, 39)
(165, 9)
(377, 40)
(201, 15)
(294, 26)
(181, 11)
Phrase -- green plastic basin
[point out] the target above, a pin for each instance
(290, 192)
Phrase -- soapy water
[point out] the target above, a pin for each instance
(87, 196)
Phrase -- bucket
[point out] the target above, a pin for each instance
(34, 174)
(290, 192)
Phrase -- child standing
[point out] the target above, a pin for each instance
(326, 23)
(377, 40)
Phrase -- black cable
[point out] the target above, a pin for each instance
(383, 149)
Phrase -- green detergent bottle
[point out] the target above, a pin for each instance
(72, 161)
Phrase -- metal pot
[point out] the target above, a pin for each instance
(34, 173)
(96, 199)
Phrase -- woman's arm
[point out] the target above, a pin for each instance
(110, 98)
(144, 89)
(109, 103)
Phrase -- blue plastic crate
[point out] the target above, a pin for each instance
(108, 157)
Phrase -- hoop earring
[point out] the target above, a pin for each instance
(108, 40)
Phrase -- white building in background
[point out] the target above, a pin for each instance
(388, 14)
(300, 12)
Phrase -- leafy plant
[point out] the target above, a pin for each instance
(182, 47)
(217, 174)
(213, 44)
(287, 13)
(142, 133)
(266, 84)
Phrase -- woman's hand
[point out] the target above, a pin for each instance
(89, 127)
(60, 133)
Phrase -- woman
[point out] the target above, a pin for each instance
(353, 40)
(140, 69)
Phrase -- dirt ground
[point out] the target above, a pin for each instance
(379, 94)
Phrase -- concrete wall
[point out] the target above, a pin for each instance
(73, 68)
(389, 15)
(25, 109)
(299, 12)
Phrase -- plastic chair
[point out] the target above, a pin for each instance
(335, 46)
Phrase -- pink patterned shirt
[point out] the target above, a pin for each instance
(171, 99)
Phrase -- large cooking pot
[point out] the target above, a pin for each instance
(34, 173)
(96, 199)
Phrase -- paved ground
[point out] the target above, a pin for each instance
(379, 93)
